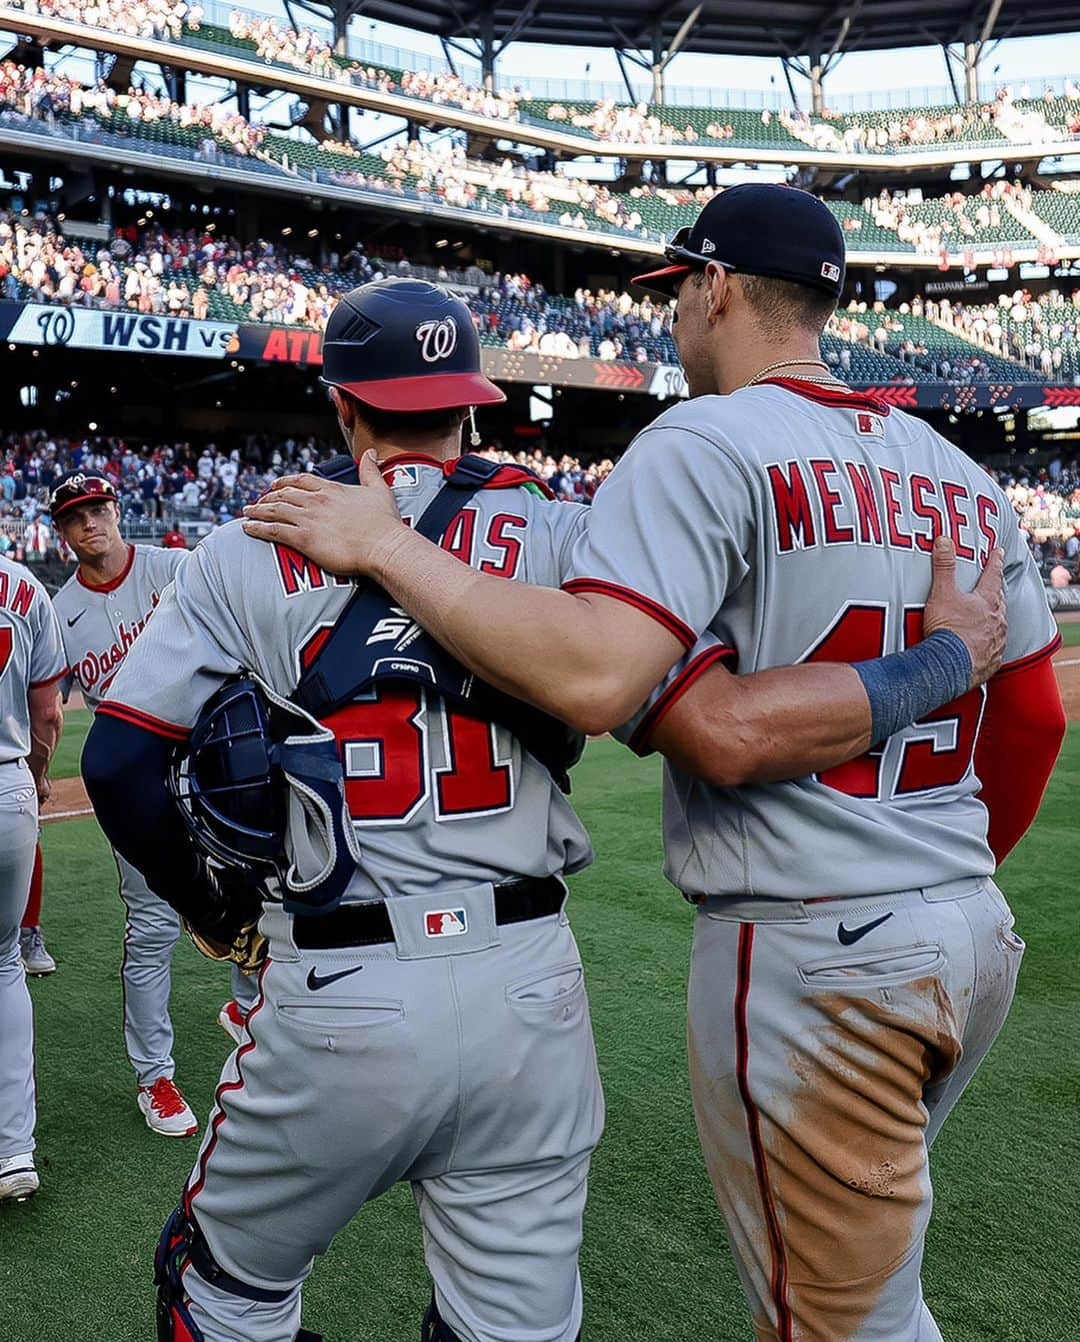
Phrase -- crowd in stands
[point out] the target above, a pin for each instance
(1014, 115)
(514, 311)
(162, 20)
(1040, 332)
(877, 328)
(953, 222)
(45, 95)
(180, 481)
(189, 272)
(993, 221)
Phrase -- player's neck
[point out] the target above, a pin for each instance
(101, 570)
(743, 365)
(413, 445)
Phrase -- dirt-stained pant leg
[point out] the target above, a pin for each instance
(814, 1060)
(470, 1074)
(18, 839)
(151, 931)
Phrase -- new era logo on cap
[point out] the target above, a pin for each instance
(829, 271)
(445, 923)
(707, 247)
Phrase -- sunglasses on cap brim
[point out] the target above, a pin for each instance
(678, 253)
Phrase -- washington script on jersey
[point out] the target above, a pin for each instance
(89, 670)
(827, 502)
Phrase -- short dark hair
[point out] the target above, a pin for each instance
(386, 423)
(778, 301)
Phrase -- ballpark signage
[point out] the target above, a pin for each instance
(53, 325)
(128, 332)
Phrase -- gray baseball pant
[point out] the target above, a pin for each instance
(829, 1040)
(463, 1064)
(18, 839)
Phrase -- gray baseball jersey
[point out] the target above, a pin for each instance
(31, 654)
(436, 798)
(794, 525)
(100, 624)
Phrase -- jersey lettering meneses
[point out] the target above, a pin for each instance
(436, 797)
(792, 525)
(100, 624)
(31, 654)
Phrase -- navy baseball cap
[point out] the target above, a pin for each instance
(406, 345)
(79, 487)
(758, 228)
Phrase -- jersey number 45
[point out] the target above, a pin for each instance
(932, 754)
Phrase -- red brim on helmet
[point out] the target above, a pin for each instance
(662, 281)
(446, 391)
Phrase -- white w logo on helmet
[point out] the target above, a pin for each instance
(438, 339)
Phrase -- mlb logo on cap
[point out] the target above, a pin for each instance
(830, 271)
(445, 923)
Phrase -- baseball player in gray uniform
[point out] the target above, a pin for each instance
(31, 665)
(103, 608)
(434, 1026)
(853, 960)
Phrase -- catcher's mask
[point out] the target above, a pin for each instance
(261, 789)
(229, 790)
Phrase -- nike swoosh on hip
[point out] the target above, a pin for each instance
(848, 936)
(315, 980)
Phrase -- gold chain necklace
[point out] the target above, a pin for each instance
(827, 381)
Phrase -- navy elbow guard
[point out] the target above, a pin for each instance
(905, 686)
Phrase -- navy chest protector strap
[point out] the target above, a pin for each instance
(374, 640)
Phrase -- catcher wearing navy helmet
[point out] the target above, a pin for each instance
(422, 1013)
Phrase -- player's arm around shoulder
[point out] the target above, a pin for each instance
(586, 659)
(787, 722)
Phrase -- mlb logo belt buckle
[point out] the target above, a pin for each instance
(445, 923)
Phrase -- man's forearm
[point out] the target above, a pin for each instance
(766, 727)
(537, 643)
(46, 726)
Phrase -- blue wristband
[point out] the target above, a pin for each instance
(905, 686)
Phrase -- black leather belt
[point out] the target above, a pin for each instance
(369, 924)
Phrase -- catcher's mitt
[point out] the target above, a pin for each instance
(227, 925)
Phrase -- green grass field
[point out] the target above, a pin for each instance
(1002, 1264)
(65, 763)
(1070, 633)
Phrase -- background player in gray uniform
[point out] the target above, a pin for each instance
(103, 608)
(31, 665)
(790, 520)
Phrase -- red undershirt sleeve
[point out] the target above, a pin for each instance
(1022, 730)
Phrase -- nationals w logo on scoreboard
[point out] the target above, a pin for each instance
(445, 923)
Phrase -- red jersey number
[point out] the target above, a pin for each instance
(935, 752)
(386, 759)
(7, 642)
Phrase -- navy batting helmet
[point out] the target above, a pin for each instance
(405, 345)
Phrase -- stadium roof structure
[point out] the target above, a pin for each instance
(808, 37)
